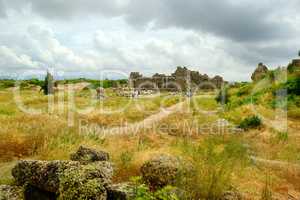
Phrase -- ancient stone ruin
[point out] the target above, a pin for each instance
(100, 93)
(88, 175)
(260, 72)
(294, 65)
(182, 79)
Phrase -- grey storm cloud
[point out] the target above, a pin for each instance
(67, 9)
(2, 9)
(246, 31)
(272, 54)
(70, 8)
(237, 20)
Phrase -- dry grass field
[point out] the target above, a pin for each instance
(221, 154)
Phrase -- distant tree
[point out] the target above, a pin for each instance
(48, 86)
(299, 53)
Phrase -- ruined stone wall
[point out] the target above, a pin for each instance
(181, 80)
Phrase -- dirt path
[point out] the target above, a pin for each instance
(147, 123)
(276, 164)
(152, 120)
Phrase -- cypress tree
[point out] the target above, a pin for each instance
(48, 86)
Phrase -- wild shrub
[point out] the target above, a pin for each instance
(7, 112)
(250, 122)
(294, 112)
(107, 83)
(266, 193)
(292, 86)
(282, 136)
(249, 100)
(142, 191)
(126, 157)
(213, 162)
(244, 90)
(4, 84)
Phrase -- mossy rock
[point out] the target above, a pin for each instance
(73, 186)
(65, 179)
(85, 182)
(41, 174)
(161, 171)
(87, 155)
(11, 193)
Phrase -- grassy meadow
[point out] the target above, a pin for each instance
(221, 156)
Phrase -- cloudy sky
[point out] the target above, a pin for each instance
(86, 37)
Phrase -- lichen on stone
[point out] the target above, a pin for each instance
(161, 171)
(85, 182)
(11, 192)
(87, 155)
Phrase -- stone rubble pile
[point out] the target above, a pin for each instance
(88, 175)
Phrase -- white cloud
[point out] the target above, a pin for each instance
(39, 49)
(12, 61)
(86, 36)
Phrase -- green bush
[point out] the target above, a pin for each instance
(266, 193)
(142, 191)
(293, 86)
(4, 84)
(212, 164)
(244, 90)
(282, 136)
(107, 83)
(126, 158)
(250, 122)
(35, 82)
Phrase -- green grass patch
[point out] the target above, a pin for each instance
(250, 122)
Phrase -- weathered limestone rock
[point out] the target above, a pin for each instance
(260, 72)
(100, 93)
(41, 174)
(11, 193)
(294, 66)
(86, 155)
(121, 191)
(217, 81)
(181, 80)
(88, 176)
(86, 182)
(161, 171)
(54, 175)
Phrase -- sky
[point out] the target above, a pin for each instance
(92, 38)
